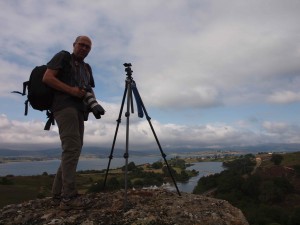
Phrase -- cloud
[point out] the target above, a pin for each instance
(283, 97)
(282, 131)
(193, 56)
(30, 135)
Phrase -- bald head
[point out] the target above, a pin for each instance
(82, 47)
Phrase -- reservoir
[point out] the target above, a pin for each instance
(50, 167)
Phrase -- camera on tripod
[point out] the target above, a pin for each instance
(92, 104)
(130, 90)
(128, 68)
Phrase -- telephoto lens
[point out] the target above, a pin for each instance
(90, 100)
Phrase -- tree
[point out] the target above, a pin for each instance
(131, 166)
(166, 171)
(250, 186)
(243, 165)
(157, 165)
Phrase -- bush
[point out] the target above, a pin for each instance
(295, 217)
(206, 183)
(267, 215)
(275, 190)
(297, 170)
(250, 186)
(111, 184)
(157, 165)
(96, 187)
(6, 181)
(166, 172)
(138, 183)
(131, 167)
(276, 159)
(243, 165)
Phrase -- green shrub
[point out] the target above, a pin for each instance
(276, 159)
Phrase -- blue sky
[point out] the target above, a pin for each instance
(211, 73)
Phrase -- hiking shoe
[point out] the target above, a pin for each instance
(74, 203)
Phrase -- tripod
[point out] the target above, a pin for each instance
(130, 87)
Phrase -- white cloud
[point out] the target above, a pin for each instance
(282, 131)
(283, 97)
(101, 133)
(193, 55)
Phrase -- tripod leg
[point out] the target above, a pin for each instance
(157, 141)
(126, 154)
(115, 137)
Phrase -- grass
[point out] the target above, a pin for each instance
(24, 188)
(16, 194)
(291, 159)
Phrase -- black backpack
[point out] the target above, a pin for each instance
(40, 96)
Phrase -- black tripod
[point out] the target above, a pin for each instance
(130, 87)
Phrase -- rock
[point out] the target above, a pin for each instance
(143, 207)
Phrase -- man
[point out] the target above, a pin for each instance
(69, 75)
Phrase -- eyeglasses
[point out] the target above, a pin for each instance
(82, 45)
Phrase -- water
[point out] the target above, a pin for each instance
(50, 166)
(205, 169)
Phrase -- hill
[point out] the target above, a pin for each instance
(104, 152)
(265, 187)
(144, 207)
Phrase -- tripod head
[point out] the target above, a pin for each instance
(128, 69)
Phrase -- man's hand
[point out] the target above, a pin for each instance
(78, 92)
(98, 111)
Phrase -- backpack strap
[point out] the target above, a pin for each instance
(49, 114)
(89, 71)
(50, 120)
(26, 107)
(25, 86)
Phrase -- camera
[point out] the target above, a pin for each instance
(127, 68)
(127, 64)
(92, 104)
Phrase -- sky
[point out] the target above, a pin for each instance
(211, 73)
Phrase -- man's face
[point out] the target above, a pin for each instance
(82, 47)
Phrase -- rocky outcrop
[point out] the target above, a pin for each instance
(143, 207)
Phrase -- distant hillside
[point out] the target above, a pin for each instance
(104, 152)
(29, 153)
(56, 152)
(271, 147)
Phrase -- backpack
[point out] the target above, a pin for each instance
(40, 96)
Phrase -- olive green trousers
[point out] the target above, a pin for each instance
(70, 124)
